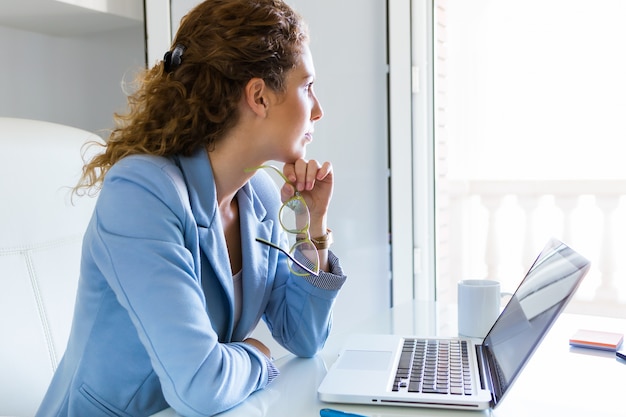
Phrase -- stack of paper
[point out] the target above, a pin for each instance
(597, 339)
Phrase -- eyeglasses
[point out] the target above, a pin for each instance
(294, 218)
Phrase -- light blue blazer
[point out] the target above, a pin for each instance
(153, 323)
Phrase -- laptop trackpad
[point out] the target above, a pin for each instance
(365, 360)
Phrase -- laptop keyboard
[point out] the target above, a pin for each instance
(434, 366)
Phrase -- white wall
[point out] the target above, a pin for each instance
(348, 42)
(69, 80)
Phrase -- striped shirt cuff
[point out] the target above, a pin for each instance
(332, 280)
(272, 370)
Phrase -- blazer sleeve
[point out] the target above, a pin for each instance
(299, 311)
(299, 314)
(145, 244)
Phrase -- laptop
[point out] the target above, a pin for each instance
(459, 373)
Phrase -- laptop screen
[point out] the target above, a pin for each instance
(542, 295)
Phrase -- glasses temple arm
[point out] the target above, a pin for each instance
(295, 261)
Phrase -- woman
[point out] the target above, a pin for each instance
(183, 255)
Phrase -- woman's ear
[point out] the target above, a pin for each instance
(256, 96)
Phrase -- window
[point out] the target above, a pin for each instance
(529, 128)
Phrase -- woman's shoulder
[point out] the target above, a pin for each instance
(159, 175)
(137, 164)
(138, 167)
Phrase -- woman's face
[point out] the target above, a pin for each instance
(293, 113)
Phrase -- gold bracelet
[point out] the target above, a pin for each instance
(324, 241)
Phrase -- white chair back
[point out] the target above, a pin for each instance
(41, 232)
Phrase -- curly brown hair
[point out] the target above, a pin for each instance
(226, 43)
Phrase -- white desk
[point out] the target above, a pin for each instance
(553, 383)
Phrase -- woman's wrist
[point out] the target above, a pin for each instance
(317, 227)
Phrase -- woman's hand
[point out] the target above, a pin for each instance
(314, 181)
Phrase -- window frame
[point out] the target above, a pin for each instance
(411, 150)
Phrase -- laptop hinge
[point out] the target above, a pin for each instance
(489, 376)
(484, 372)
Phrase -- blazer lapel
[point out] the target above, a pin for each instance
(257, 282)
(254, 222)
(202, 196)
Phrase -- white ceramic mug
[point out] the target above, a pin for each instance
(478, 306)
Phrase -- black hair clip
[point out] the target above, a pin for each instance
(172, 59)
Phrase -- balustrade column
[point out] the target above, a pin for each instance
(528, 203)
(492, 251)
(567, 204)
(606, 291)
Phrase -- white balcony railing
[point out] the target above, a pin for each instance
(495, 229)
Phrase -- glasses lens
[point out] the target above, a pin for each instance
(305, 252)
(294, 215)
(294, 218)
